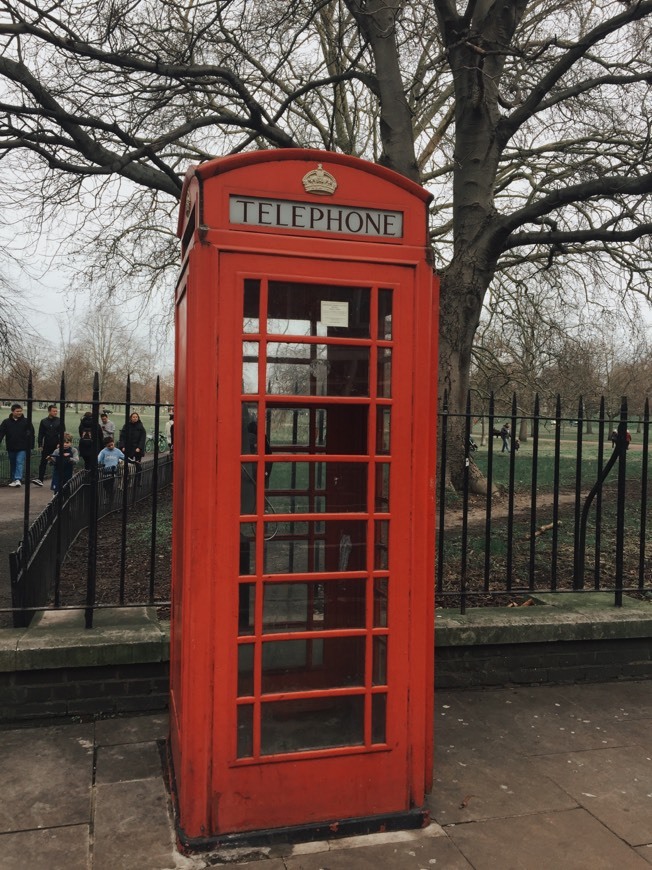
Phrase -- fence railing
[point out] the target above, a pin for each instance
(554, 504)
(557, 504)
(35, 566)
(91, 495)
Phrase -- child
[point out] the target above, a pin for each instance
(63, 468)
(108, 460)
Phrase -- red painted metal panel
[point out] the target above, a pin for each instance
(268, 652)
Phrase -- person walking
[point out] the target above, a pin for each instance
(48, 439)
(169, 431)
(108, 461)
(505, 435)
(64, 466)
(107, 426)
(133, 438)
(19, 435)
(90, 440)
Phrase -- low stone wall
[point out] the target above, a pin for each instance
(564, 638)
(56, 668)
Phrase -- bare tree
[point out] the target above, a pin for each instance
(529, 119)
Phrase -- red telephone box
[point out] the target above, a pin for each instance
(303, 566)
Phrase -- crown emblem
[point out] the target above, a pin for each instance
(319, 181)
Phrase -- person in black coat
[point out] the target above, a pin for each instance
(90, 440)
(133, 438)
(19, 433)
(48, 440)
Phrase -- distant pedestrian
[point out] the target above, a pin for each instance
(48, 438)
(19, 433)
(505, 434)
(133, 438)
(64, 460)
(90, 440)
(107, 426)
(108, 460)
(169, 431)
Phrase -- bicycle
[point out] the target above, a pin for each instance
(162, 443)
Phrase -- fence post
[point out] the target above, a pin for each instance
(28, 474)
(488, 502)
(152, 552)
(644, 481)
(620, 516)
(125, 499)
(92, 514)
(59, 501)
(578, 560)
(441, 506)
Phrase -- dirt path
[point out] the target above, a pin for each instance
(477, 513)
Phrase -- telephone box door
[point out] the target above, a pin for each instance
(314, 710)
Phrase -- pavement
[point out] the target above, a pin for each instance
(547, 778)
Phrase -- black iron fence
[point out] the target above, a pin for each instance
(128, 502)
(549, 504)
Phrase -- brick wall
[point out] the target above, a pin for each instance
(87, 691)
(549, 662)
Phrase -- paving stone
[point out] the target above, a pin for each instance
(46, 776)
(127, 761)
(614, 785)
(47, 849)
(132, 827)
(571, 840)
(619, 700)
(467, 789)
(645, 852)
(131, 729)
(528, 721)
(423, 854)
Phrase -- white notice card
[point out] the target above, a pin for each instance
(334, 313)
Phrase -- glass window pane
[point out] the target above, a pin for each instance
(297, 606)
(245, 669)
(247, 549)
(384, 382)
(383, 430)
(378, 718)
(246, 608)
(382, 487)
(250, 366)
(379, 669)
(381, 591)
(334, 487)
(308, 665)
(312, 723)
(245, 731)
(295, 369)
(341, 429)
(301, 547)
(381, 545)
(313, 309)
(250, 321)
(385, 315)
